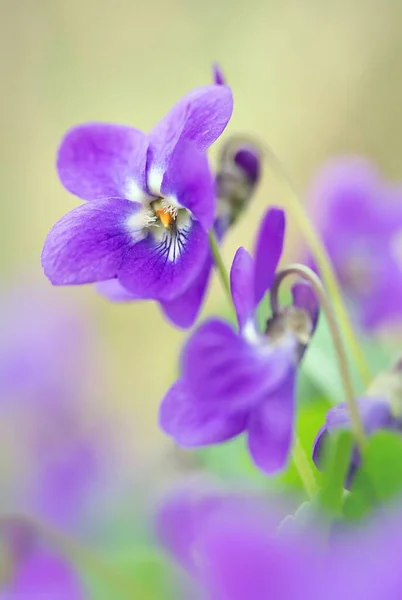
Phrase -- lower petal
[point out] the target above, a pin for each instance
(224, 370)
(89, 243)
(162, 269)
(270, 428)
(181, 418)
(183, 310)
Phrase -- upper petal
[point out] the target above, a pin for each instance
(165, 263)
(268, 250)
(224, 370)
(88, 244)
(242, 286)
(182, 417)
(189, 181)
(270, 427)
(199, 117)
(101, 160)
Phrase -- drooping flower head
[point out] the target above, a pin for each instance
(359, 217)
(380, 409)
(242, 380)
(151, 200)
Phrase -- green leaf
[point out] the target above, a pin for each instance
(379, 478)
(336, 465)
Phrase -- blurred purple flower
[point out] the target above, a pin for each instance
(46, 367)
(375, 413)
(359, 216)
(243, 381)
(233, 549)
(218, 75)
(153, 200)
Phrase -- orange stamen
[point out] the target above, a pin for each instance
(166, 218)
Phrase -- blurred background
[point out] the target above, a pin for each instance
(312, 79)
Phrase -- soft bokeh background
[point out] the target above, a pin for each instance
(310, 78)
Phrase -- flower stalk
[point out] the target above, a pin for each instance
(325, 267)
(308, 274)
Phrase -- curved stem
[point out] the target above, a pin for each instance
(78, 553)
(309, 275)
(220, 265)
(325, 267)
(304, 469)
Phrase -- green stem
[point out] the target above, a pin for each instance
(304, 469)
(325, 267)
(220, 266)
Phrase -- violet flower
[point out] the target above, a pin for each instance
(152, 200)
(45, 374)
(30, 570)
(237, 176)
(359, 217)
(242, 381)
(233, 550)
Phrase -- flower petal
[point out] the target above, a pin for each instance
(242, 286)
(45, 576)
(224, 370)
(88, 244)
(183, 310)
(199, 117)
(270, 427)
(101, 160)
(114, 291)
(268, 250)
(188, 179)
(182, 417)
(163, 268)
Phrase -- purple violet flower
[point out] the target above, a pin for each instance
(233, 550)
(152, 200)
(30, 570)
(359, 216)
(238, 174)
(242, 381)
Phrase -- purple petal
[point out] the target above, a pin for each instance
(241, 556)
(227, 372)
(181, 520)
(89, 243)
(242, 286)
(217, 75)
(101, 160)
(268, 250)
(305, 298)
(248, 158)
(183, 310)
(270, 427)
(182, 418)
(114, 291)
(188, 179)
(374, 412)
(46, 576)
(199, 117)
(164, 269)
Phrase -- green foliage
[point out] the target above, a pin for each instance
(336, 466)
(379, 478)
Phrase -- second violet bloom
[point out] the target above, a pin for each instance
(243, 380)
(151, 200)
